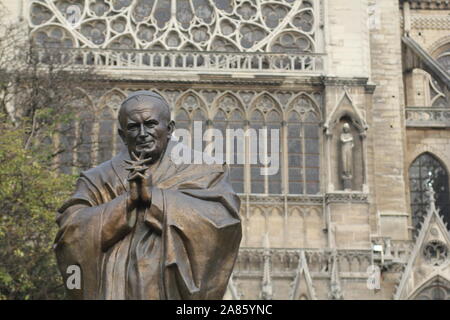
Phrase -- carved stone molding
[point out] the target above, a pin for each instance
(284, 261)
(438, 46)
(344, 197)
(427, 4)
(427, 22)
(427, 117)
(291, 199)
(341, 81)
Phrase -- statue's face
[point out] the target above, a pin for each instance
(147, 128)
(346, 128)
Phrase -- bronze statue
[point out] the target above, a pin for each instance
(140, 226)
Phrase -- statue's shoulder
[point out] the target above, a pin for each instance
(100, 173)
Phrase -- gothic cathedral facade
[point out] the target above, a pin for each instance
(359, 93)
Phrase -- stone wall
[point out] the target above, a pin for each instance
(388, 122)
(347, 39)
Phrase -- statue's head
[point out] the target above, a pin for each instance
(145, 125)
(346, 127)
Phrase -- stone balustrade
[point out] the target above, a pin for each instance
(427, 117)
(204, 62)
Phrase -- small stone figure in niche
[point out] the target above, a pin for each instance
(347, 156)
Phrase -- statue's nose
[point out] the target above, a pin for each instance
(142, 130)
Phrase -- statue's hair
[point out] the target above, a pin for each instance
(140, 96)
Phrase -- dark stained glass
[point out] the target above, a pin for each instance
(303, 149)
(257, 179)
(426, 169)
(236, 121)
(106, 128)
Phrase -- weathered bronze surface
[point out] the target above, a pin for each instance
(140, 226)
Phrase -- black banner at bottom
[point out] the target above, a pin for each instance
(242, 309)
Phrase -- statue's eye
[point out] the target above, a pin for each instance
(150, 123)
(132, 127)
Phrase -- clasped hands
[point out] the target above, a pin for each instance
(140, 181)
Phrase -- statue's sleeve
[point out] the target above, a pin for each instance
(201, 236)
(89, 224)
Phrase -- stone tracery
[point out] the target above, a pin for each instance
(435, 252)
(221, 110)
(213, 25)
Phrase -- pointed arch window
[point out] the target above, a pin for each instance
(67, 142)
(444, 59)
(106, 134)
(228, 116)
(182, 120)
(190, 113)
(311, 153)
(437, 289)
(303, 148)
(424, 170)
(434, 293)
(265, 125)
(76, 137)
(220, 123)
(236, 121)
(257, 179)
(249, 172)
(198, 117)
(85, 139)
(295, 157)
(274, 123)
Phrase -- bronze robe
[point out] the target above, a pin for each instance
(183, 247)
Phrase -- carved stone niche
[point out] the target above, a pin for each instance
(345, 131)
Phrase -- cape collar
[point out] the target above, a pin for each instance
(161, 170)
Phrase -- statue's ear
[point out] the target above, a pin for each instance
(170, 128)
(122, 135)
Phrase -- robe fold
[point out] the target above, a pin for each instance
(183, 246)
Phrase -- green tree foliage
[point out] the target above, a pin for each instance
(30, 194)
(39, 95)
